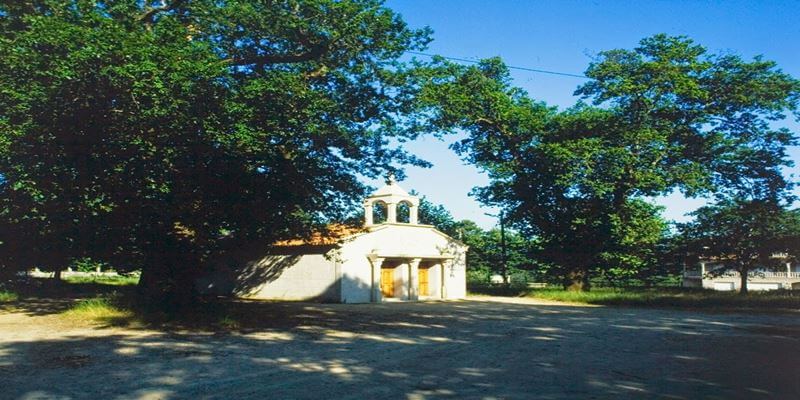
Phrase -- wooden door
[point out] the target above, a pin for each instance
(423, 282)
(387, 282)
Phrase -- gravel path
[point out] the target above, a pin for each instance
(483, 348)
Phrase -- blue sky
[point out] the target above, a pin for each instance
(564, 36)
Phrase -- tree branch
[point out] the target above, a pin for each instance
(151, 13)
(313, 53)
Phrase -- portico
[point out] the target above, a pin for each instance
(401, 277)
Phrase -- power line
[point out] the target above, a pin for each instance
(541, 71)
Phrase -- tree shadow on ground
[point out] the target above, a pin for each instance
(469, 349)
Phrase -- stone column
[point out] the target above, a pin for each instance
(445, 264)
(788, 269)
(376, 279)
(413, 279)
(440, 279)
(391, 213)
(368, 214)
(702, 269)
(413, 214)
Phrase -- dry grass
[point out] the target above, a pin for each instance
(659, 297)
(127, 310)
(100, 310)
(118, 280)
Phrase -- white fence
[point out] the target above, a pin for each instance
(751, 275)
(35, 273)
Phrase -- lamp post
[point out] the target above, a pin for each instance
(503, 259)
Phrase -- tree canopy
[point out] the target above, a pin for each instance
(436, 215)
(665, 116)
(152, 135)
(155, 135)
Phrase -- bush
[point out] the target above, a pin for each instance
(8, 296)
(478, 276)
(86, 264)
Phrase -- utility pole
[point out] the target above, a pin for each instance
(503, 246)
(503, 256)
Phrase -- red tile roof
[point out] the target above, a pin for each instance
(332, 234)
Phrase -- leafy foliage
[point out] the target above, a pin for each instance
(436, 215)
(666, 116)
(154, 136)
(695, 121)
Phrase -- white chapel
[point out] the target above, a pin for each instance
(393, 259)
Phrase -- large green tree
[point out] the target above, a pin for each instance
(154, 135)
(666, 116)
(742, 235)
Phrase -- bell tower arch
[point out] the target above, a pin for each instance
(392, 195)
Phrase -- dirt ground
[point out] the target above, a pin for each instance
(482, 348)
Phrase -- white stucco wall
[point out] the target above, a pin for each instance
(253, 274)
(356, 276)
(311, 277)
(455, 279)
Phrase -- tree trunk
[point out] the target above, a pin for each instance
(577, 280)
(149, 286)
(7, 274)
(57, 275)
(167, 281)
(743, 281)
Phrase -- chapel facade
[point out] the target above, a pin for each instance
(394, 258)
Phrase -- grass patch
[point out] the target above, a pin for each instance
(7, 296)
(102, 310)
(657, 297)
(111, 280)
(121, 309)
(230, 323)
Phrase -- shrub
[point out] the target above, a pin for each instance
(8, 296)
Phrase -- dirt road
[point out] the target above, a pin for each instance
(484, 348)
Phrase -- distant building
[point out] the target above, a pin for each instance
(712, 274)
(393, 259)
